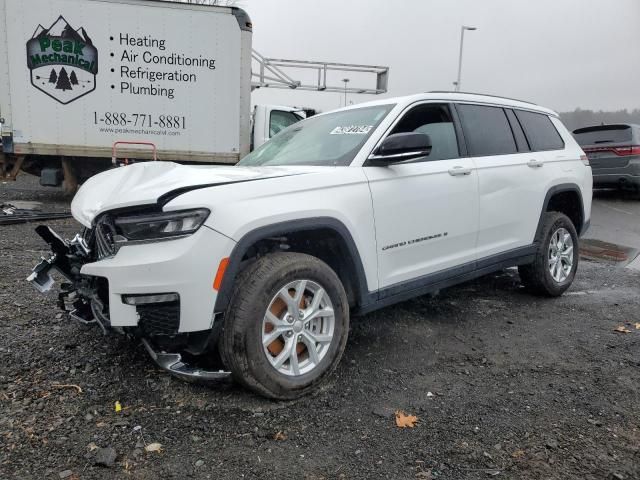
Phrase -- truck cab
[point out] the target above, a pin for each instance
(269, 120)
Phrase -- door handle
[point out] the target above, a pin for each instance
(535, 163)
(458, 171)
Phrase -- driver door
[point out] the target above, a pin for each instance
(426, 209)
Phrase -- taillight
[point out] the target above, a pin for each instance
(626, 151)
(585, 160)
(620, 151)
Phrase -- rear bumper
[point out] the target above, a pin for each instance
(617, 176)
(185, 266)
(615, 180)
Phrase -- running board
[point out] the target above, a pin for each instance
(172, 363)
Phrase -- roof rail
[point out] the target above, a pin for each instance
(484, 95)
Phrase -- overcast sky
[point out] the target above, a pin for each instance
(559, 53)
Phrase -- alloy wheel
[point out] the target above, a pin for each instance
(298, 327)
(560, 255)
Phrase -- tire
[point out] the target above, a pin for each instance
(257, 293)
(537, 276)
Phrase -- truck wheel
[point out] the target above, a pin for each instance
(556, 260)
(286, 326)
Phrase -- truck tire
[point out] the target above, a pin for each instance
(286, 326)
(556, 259)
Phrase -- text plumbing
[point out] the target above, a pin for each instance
(148, 68)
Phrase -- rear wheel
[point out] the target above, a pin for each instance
(286, 326)
(556, 261)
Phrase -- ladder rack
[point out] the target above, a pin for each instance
(279, 73)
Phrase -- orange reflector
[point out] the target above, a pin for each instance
(217, 282)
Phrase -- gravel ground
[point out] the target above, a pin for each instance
(503, 384)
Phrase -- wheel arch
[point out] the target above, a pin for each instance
(348, 265)
(565, 198)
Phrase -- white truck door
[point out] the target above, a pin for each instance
(270, 120)
(512, 178)
(426, 210)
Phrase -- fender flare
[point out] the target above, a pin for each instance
(278, 229)
(561, 188)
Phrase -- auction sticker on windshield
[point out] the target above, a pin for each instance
(352, 130)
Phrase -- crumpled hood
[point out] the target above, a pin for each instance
(144, 183)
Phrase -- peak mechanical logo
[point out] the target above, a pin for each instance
(63, 61)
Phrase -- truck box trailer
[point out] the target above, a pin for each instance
(78, 75)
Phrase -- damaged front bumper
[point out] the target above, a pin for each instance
(88, 299)
(78, 296)
(174, 364)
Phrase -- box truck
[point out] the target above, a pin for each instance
(76, 76)
(82, 81)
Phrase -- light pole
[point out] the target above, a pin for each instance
(345, 80)
(462, 30)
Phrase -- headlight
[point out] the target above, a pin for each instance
(161, 225)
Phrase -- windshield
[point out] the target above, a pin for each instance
(333, 139)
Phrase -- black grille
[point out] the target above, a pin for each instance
(104, 233)
(159, 318)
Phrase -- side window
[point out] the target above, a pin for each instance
(486, 130)
(540, 132)
(280, 120)
(434, 120)
(518, 133)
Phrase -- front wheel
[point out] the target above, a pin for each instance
(286, 326)
(556, 261)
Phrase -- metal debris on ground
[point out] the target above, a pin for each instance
(23, 212)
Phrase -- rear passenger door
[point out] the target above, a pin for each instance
(511, 180)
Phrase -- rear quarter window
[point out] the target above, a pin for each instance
(486, 130)
(540, 131)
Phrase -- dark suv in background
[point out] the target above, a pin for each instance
(614, 154)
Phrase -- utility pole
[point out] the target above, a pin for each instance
(346, 81)
(462, 30)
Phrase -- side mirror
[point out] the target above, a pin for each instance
(400, 147)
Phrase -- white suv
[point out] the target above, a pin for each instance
(340, 214)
